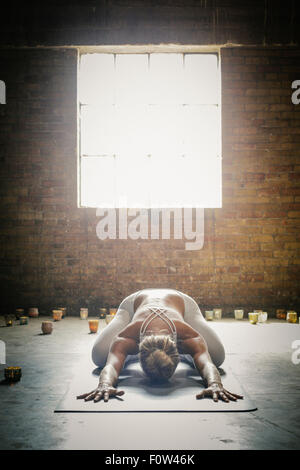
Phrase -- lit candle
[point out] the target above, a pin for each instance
(57, 315)
(217, 313)
(23, 320)
(209, 315)
(281, 314)
(239, 314)
(12, 374)
(33, 312)
(19, 313)
(262, 317)
(253, 317)
(9, 321)
(93, 324)
(113, 311)
(84, 313)
(291, 316)
(102, 312)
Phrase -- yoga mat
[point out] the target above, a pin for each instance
(178, 395)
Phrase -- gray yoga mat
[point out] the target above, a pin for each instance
(178, 395)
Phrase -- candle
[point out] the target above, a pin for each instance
(262, 317)
(113, 311)
(280, 314)
(19, 313)
(9, 320)
(57, 315)
(84, 312)
(239, 314)
(12, 374)
(23, 320)
(33, 312)
(291, 316)
(93, 324)
(253, 317)
(209, 315)
(47, 327)
(102, 312)
(217, 313)
(109, 318)
(64, 311)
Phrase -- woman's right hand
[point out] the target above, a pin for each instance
(104, 391)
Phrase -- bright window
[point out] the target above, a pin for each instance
(150, 130)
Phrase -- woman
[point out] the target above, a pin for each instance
(159, 325)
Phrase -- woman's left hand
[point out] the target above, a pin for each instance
(217, 391)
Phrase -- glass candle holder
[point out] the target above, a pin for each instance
(12, 374)
(93, 324)
(262, 317)
(253, 317)
(281, 314)
(291, 317)
(57, 315)
(9, 320)
(102, 313)
(47, 327)
(113, 311)
(19, 313)
(23, 320)
(239, 314)
(84, 313)
(33, 312)
(217, 313)
(209, 315)
(64, 311)
(109, 318)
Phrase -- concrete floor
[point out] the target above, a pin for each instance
(260, 355)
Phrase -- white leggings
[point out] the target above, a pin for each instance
(124, 315)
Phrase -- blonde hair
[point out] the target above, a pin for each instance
(158, 357)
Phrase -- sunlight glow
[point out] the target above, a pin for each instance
(150, 130)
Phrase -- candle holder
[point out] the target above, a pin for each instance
(291, 316)
(47, 327)
(64, 311)
(9, 320)
(102, 313)
(113, 311)
(84, 313)
(33, 312)
(239, 314)
(93, 324)
(23, 320)
(253, 317)
(12, 374)
(262, 317)
(209, 315)
(57, 315)
(19, 313)
(109, 318)
(217, 313)
(281, 314)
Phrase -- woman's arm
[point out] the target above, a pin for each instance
(197, 348)
(119, 350)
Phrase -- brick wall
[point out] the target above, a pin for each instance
(50, 254)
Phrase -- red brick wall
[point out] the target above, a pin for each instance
(50, 254)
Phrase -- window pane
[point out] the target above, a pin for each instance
(132, 79)
(202, 133)
(201, 79)
(96, 80)
(165, 129)
(97, 130)
(98, 182)
(166, 78)
(132, 181)
(131, 129)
